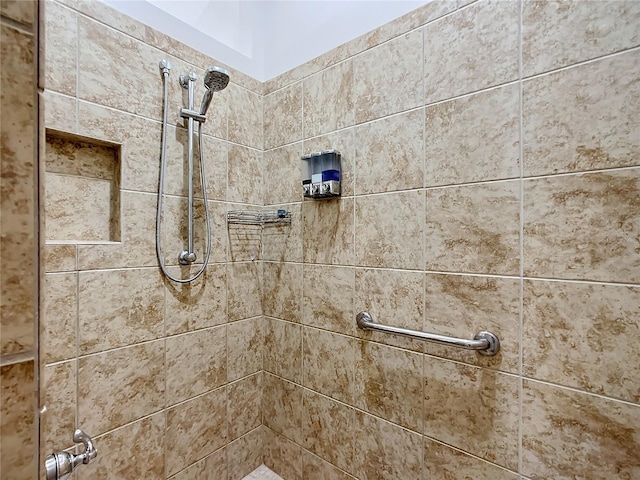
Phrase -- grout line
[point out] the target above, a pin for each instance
(16, 358)
(16, 25)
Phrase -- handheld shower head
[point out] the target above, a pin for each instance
(215, 79)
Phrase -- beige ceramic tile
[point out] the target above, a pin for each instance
(315, 468)
(198, 304)
(328, 100)
(115, 461)
(474, 229)
(391, 297)
(389, 78)
(60, 48)
(58, 394)
(245, 405)
(473, 409)
(67, 154)
(18, 445)
(583, 118)
(598, 429)
(244, 348)
(283, 242)
(326, 425)
(282, 291)
(583, 227)
(282, 456)
(132, 376)
(388, 384)
(19, 10)
(59, 258)
(582, 336)
(329, 363)
(245, 175)
(245, 454)
(283, 349)
(58, 322)
(556, 34)
(383, 451)
(282, 175)
(196, 363)
(60, 112)
(244, 290)
(484, 51)
(475, 138)
(107, 15)
(245, 117)
(343, 141)
(283, 119)
(282, 407)
(212, 467)
(328, 298)
(390, 230)
(119, 307)
(390, 154)
(441, 461)
(327, 231)
(463, 305)
(195, 429)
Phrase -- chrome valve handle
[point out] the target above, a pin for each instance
(58, 466)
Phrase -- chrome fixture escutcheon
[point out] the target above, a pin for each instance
(60, 465)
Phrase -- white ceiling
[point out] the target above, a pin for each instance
(264, 38)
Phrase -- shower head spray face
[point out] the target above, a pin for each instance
(215, 79)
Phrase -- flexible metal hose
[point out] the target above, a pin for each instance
(163, 154)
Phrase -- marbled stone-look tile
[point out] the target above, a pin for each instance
(443, 462)
(119, 307)
(602, 435)
(59, 258)
(389, 230)
(327, 427)
(392, 297)
(556, 34)
(245, 405)
(383, 451)
(329, 100)
(282, 407)
(471, 50)
(58, 394)
(245, 117)
(59, 112)
(245, 454)
(283, 121)
(474, 228)
(282, 354)
(132, 376)
(388, 384)
(245, 175)
(327, 231)
(107, 15)
(315, 468)
(388, 79)
(196, 363)
(473, 139)
(59, 319)
(390, 154)
(583, 336)
(473, 409)
(281, 180)
(329, 363)
(18, 445)
(463, 305)
(283, 242)
(282, 291)
(244, 290)
(583, 227)
(328, 298)
(212, 467)
(195, 429)
(19, 10)
(282, 456)
(583, 118)
(344, 142)
(115, 459)
(244, 348)
(198, 304)
(60, 26)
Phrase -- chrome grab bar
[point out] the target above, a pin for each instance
(485, 343)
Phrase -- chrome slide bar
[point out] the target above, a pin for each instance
(485, 343)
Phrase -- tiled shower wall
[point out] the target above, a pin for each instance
(491, 181)
(166, 378)
(18, 237)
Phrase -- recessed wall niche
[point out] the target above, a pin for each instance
(82, 189)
